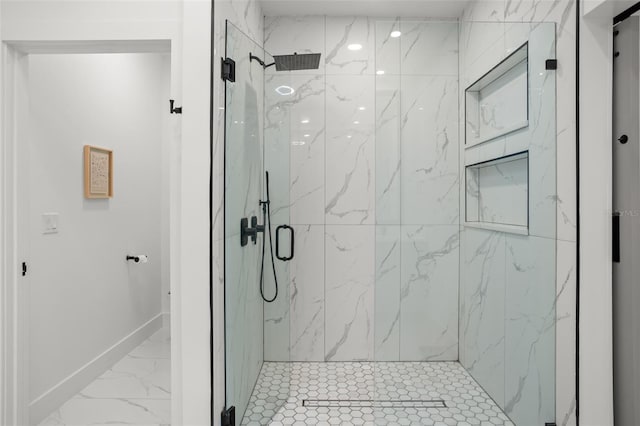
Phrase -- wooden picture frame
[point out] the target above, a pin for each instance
(98, 172)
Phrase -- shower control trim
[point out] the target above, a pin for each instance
(247, 231)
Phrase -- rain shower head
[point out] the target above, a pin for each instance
(296, 62)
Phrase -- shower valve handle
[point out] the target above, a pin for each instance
(247, 231)
(254, 225)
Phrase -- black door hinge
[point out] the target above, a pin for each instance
(228, 69)
(172, 109)
(550, 424)
(551, 64)
(24, 268)
(229, 417)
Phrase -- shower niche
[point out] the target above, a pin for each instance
(497, 194)
(497, 142)
(498, 102)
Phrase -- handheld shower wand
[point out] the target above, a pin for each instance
(266, 221)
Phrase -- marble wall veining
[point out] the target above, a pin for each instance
(373, 188)
(508, 281)
(517, 330)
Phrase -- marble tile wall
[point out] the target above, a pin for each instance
(508, 285)
(373, 188)
(517, 330)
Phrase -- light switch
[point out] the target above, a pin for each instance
(50, 223)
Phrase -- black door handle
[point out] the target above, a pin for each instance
(291, 239)
(615, 252)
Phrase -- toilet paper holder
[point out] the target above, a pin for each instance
(137, 258)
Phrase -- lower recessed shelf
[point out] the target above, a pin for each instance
(497, 194)
(510, 229)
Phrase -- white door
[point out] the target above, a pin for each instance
(626, 228)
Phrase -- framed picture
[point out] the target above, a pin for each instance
(98, 172)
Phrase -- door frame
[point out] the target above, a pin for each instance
(14, 395)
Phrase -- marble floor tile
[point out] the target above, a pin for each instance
(111, 411)
(157, 346)
(370, 393)
(133, 378)
(135, 391)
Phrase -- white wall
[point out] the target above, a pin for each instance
(596, 106)
(25, 20)
(606, 9)
(84, 295)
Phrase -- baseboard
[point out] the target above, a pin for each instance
(52, 399)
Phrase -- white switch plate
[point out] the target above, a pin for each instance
(50, 223)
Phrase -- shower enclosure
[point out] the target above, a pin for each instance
(416, 166)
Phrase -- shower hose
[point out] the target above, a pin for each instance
(266, 220)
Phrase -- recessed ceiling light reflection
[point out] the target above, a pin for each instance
(354, 46)
(306, 135)
(298, 143)
(380, 72)
(305, 121)
(285, 90)
(356, 122)
(395, 34)
(361, 108)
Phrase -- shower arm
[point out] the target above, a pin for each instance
(260, 61)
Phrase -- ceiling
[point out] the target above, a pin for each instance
(373, 8)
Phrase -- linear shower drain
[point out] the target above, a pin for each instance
(363, 403)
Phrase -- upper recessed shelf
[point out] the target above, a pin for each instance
(498, 102)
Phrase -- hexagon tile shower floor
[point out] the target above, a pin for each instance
(368, 393)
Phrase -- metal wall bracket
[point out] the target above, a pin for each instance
(172, 109)
(228, 417)
(551, 64)
(228, 69)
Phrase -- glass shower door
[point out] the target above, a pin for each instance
(256, 331)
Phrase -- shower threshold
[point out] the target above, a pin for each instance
(369, 393)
